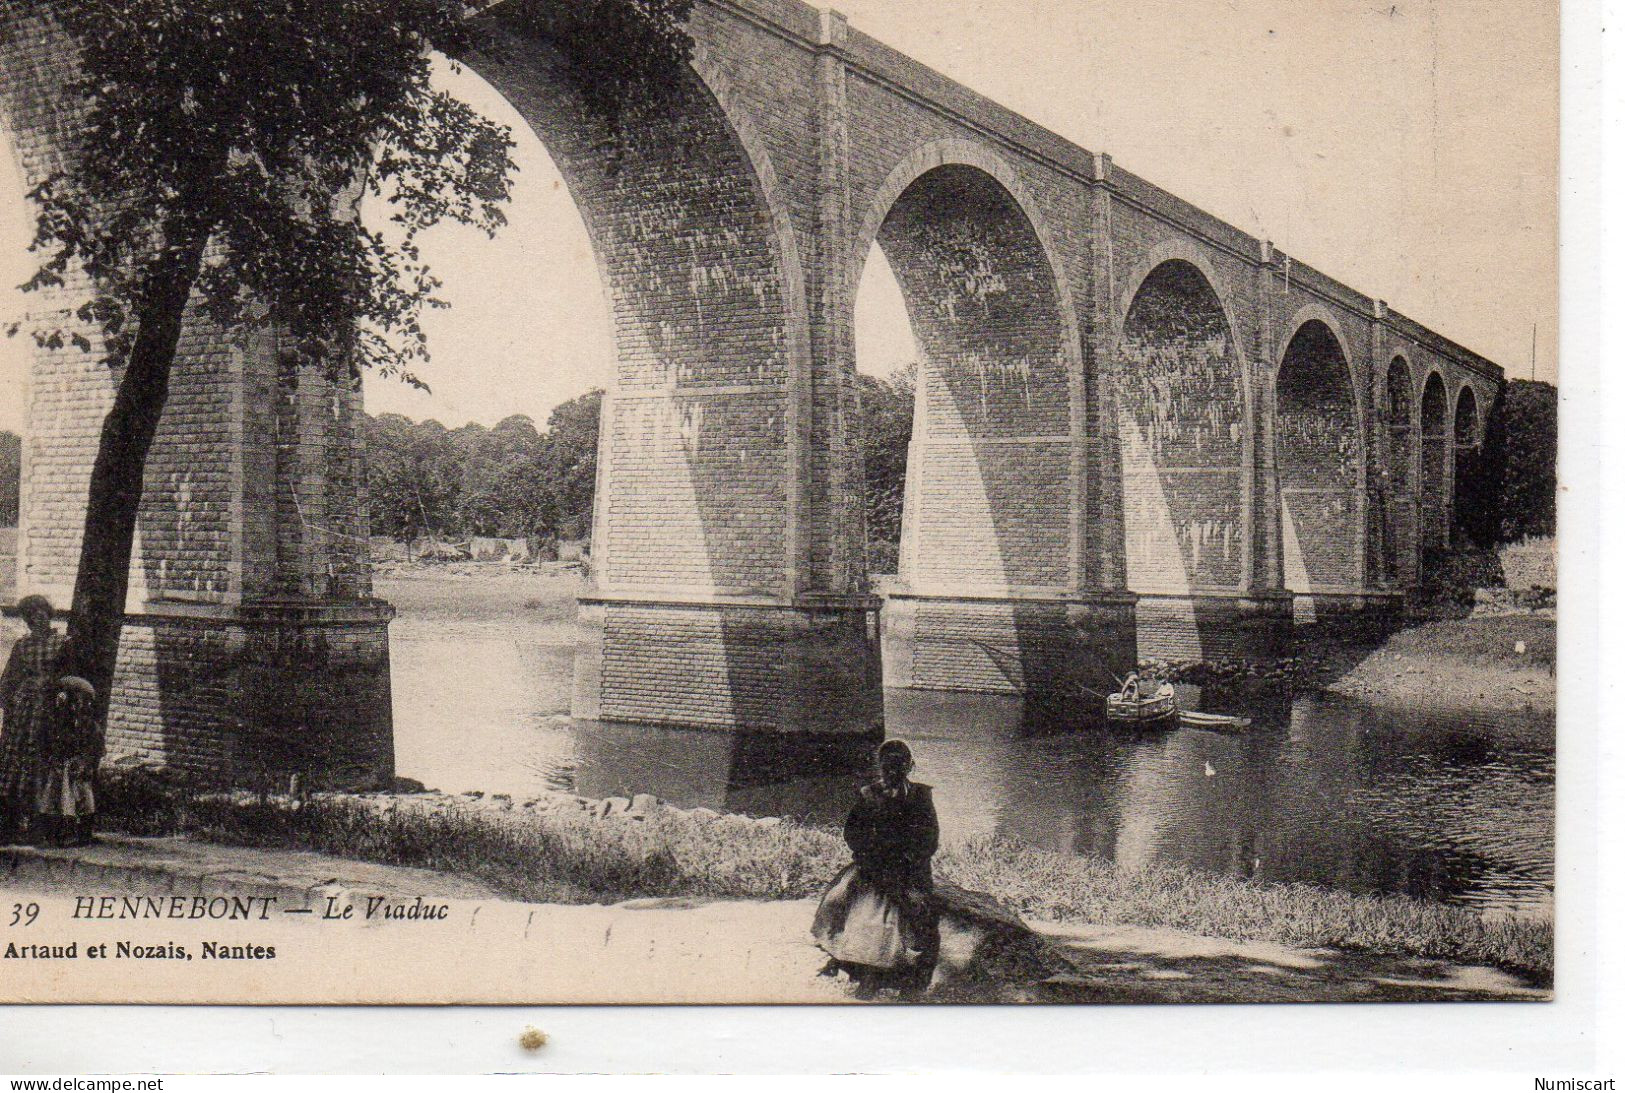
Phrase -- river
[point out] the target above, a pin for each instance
(1321, 789)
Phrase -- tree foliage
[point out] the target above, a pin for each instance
(508, 481)
(621, 50)
(1524, 424)
(247, 132)
(886, 422)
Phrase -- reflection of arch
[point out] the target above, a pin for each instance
(1181, 419)
(1434, 483)
(1319, 457)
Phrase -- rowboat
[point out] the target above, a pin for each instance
(1214, 722)
(1147, 710)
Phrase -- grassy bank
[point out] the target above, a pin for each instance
(572, 858)
(1482, 641)
(1481, 666)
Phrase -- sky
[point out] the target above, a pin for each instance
(1408, 149)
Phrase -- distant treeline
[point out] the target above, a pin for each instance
(508, 481)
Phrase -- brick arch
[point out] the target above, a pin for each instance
(1469, 423)
(1399, 417)
(1177, 384)
(1174, 250)
(951, 152)
(706, 294)
(1319, 459)
(989, 497)
(1435, 459)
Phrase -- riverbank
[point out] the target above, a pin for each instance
(1482, 666)
(1477, 666)
(558, 848)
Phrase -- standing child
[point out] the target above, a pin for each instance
(72, 746)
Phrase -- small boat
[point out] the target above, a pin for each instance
(1214, 722)
(1146, 710)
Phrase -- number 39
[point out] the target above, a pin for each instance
(23, 914)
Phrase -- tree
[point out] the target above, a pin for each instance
(413, 477)
(886, 424)
(223, 146)
(569, 467)
(1526, 418)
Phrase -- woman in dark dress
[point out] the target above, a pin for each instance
(878, 920)
(25, 699)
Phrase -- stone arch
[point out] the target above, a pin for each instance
(990, 502)
(1400, 417)
(1466, 463)
(1319, 460)
(1179, 391)
(951, 152)
(1173, 250)
(707, 298)
(1433, 483)
(1468, 427)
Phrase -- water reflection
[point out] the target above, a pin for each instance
(1319, 790)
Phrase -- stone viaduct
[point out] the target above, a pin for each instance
(1138, 428)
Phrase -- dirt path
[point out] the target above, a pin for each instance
(487, 949)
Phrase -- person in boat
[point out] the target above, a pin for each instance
(1131, 687)
(26, 699)
(71, 747)
(878, 918)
